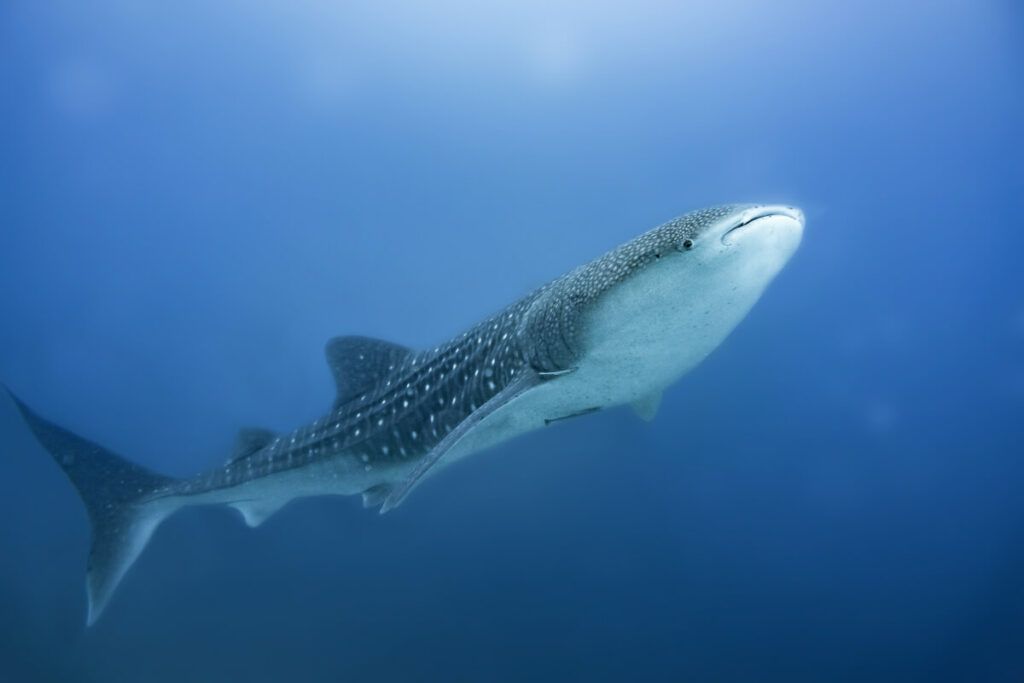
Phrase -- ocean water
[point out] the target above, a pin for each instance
(195, 196)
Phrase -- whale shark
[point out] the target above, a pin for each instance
(616, 331)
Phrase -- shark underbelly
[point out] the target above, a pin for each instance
(629, 355)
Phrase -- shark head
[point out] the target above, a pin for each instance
(634, 320)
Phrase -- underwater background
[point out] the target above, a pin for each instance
(195, 196)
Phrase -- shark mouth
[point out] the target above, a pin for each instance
(748, 218)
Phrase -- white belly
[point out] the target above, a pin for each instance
(640, 338)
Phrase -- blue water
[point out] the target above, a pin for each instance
(194, 196)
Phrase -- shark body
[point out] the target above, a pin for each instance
(615, 331)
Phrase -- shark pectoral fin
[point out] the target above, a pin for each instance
(647, 407)
(520, 385)
(249, 441)
(359, 363)
(255, 512)
(376, 495)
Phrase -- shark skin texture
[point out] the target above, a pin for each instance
(615, 331)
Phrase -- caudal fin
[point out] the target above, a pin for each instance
(114, 492)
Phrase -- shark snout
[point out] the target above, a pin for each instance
(772, 223)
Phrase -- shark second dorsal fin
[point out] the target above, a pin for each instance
(358, 363)
(250, 440)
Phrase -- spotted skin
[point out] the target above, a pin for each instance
(401, 418)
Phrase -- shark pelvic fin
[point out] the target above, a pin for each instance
(115, 493)
(647, 407)
(520, 385)
(358, 363)
(250, 440)
(376, 495)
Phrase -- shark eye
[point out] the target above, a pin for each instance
(687, 244)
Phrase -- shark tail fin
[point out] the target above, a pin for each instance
(115, 494)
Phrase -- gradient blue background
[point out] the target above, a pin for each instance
(194, 196)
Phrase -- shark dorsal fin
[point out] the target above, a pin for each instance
(250, 440)
(358, 363)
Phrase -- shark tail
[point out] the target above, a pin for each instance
(115, 493)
